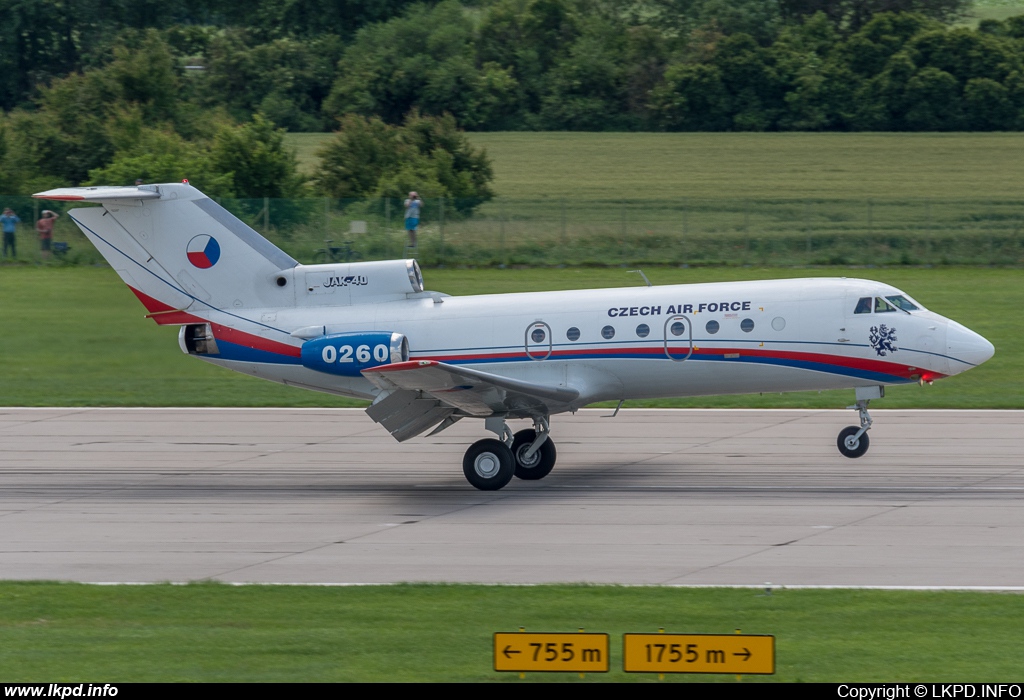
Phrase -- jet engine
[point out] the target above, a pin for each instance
(348, 354)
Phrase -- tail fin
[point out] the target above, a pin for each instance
(179, 250)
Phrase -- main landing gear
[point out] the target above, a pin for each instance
(853, 441)
(529, 455)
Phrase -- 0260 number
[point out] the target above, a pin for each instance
(344, 353)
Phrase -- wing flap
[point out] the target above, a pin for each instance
(405, 414)
(437, 377)
(469, 391)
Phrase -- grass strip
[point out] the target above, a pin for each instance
(213, 632)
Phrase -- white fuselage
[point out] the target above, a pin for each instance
(640, 342)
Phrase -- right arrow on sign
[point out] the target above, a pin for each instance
(751, 654)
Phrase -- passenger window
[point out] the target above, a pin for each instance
(643, 330)
(607, 332)
(573, 333)
(882, 306)
(863, 306)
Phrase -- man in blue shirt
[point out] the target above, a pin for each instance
(412, 216)
(8, 221)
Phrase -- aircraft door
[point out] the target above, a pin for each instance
(678, 338)
(537, 341)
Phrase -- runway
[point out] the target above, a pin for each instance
(673, 497)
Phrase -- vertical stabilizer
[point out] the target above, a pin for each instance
(178, 249)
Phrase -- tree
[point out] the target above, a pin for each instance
(425, 61)
(253, 156)
(285, 79)
(851, 15)
(369, 158)
(163, 157)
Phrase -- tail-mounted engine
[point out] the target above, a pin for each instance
(348, 354)
(197, 339)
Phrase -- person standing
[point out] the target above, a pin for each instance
(44, 227)
(413, 205)
(9, 221)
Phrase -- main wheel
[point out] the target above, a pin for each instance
(542, 462)
(488, 464)
(851, 446)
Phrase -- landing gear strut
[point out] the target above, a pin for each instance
(853, 441)
(534, 452)
(529, 454)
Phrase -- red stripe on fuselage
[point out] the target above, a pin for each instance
(167, 315)
(232, 335)
(878, 366)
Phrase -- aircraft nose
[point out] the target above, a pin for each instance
(967, 346)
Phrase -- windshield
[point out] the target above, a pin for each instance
(882, 306)
(901, 302)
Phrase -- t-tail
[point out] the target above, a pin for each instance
(180, 252)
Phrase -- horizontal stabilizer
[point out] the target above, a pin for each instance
(100, 194)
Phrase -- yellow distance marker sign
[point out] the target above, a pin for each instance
(744, 654)
(573, 652)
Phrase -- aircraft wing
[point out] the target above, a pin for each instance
(425, 393)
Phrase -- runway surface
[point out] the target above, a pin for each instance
(649, 497)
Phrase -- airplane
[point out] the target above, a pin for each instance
(426, 360)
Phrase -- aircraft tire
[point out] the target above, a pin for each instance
(849, 447)
(543, 459)
(488, 464)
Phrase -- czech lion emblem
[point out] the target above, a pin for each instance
(883, 339)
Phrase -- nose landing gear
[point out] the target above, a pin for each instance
(853, 441)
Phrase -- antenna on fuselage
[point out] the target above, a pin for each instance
(641, 273)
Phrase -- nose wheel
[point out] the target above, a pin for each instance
(853, 441)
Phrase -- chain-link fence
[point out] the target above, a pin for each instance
(586, 232)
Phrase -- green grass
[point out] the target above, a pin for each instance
(711, 199)
(616, 166)
(994, 9)
(75, 336)
(208, 632)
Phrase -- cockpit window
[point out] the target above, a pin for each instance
(902, 302)
(882, 306)
(863, 306)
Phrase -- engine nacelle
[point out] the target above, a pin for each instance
(348, 354)
(343, 284)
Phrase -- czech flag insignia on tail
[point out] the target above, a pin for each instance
(203, 251)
